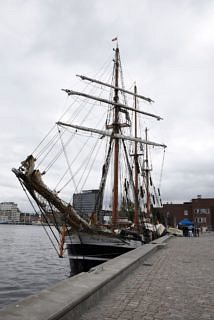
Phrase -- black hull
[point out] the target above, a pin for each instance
(83, 265)
(84, 257)
(86, 251)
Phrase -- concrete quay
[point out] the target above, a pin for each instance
(176, 283)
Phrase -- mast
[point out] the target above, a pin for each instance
(148, 207)
(136, 166)
(116, 141)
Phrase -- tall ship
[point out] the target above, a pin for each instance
(91, 176)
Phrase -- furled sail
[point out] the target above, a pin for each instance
(32, 180)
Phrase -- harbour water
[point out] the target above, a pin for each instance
(28, 262)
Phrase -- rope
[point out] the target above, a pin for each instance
(162, 164)
(50, 145)
(58, 154)
(27, 195)
(43, 139)
(43, 216)
(66, 157)
(49, 235)
(98, 149)
(83, 146)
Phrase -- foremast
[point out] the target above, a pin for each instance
(116, 128)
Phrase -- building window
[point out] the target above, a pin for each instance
(205, 211)
(202, 211)
(185, 212)
(201, 220)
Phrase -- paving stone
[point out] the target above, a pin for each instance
(176, 282)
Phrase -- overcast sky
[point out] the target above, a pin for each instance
(167, 46)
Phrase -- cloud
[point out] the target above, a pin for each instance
(167, 47)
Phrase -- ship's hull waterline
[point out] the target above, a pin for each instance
(87, 250)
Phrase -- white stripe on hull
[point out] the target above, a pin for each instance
(87, 258)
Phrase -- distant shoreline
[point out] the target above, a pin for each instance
(21, 224)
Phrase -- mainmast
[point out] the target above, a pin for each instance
(116, 141)
(136, 166)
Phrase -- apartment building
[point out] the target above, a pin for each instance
(199, 210)
(9, 212)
